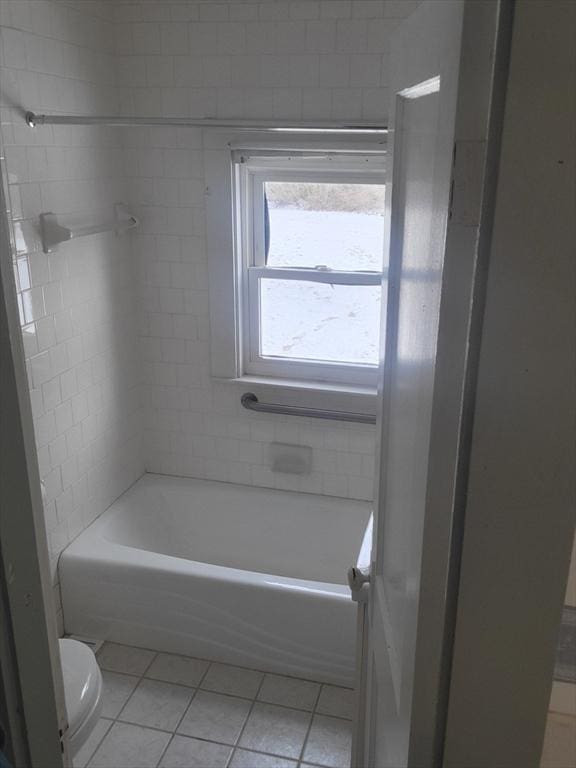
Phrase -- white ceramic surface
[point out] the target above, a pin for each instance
(83, 690)
(242, 575)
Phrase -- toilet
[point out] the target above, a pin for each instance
(82, 690)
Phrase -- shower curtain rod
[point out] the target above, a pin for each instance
(34, 120)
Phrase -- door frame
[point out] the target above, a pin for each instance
(520, 497)
(484, 64)
(517, 393)
(33, 699)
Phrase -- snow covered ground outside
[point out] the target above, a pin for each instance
(315, 321)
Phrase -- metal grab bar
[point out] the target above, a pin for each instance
(251, 402)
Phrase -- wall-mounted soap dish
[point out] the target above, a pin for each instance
(53, 233)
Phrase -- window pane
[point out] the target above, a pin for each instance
(303, 320)
(340, 226)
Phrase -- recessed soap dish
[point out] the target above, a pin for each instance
(290, 459)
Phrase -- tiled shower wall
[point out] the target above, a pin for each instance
(274, 59)
(77, 305)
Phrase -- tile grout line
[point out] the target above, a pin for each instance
(152, 660)
(312, 714)
(91, 755)
(233, 747)
(223, 663)
(170, 740)
(175, 731)
(236, 745)
(197, 688)
(117, 718)
(126, 674)
(142, 677)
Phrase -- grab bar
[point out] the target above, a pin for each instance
(251, 402)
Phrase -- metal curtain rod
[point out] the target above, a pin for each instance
(34, 120)
(250, 401)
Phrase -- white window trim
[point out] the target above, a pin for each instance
(251, 174)
(227, 322)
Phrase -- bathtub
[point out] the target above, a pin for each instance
(226, 572)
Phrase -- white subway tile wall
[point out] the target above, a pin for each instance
(77, 305)
(273, 59)
(294, 60)
(120, 376)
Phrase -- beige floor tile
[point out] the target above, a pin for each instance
(117, 689)
(177, 669)
(559, 742)
(87, 750)
(130, 746)
(329, 742)
(236, 681)
(336, 701)
(124, 658)
(243, 758)
(192, 753)
(215, 717)
(155, 704)
(275, 729)
(289, 691)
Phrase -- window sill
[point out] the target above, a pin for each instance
(307, 386)
(313, 394)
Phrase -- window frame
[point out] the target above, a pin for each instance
(250, 173)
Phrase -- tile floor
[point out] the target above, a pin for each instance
(178, 712)
(560, 741)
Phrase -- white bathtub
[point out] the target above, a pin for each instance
(226, 572)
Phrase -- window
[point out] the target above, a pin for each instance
(309, 245)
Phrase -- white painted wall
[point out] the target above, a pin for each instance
(273, 59)
(77, 305)
(520, 497)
